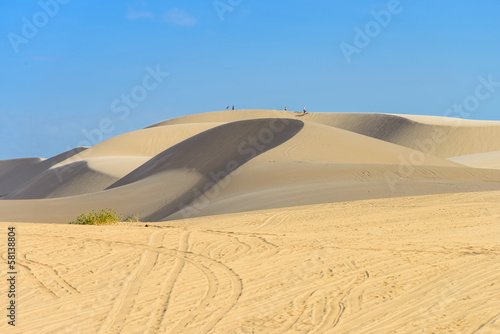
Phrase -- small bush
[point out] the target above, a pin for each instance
(101, 217)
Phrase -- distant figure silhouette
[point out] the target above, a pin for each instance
(233, 107)
(305, 112)
(285, 108)
(227, 108)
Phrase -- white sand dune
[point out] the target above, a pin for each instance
(440, 120)
(263, 221)
(439, 136)
(176, 168)
(145, 142)
(488, 160)
(399, 265)
(321, 143)
(157, 188)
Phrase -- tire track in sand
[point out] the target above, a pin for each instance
(215, 316)
(163, 299)
(32, 277)
(273, 221)
(49, 271)
(115, 319)
(299, 306)
(336, 307)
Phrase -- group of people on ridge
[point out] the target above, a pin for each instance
(303, 111)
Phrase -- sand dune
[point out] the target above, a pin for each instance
(177, 193)
(224, 162)
(79, 177)
(145, 142)
(84, 170)
(211, 150)
(440, 120)
(440, 136)
(14, 173)
(160, 186)
(321, 143)
(263, 221)
(267, 186)
(401, 265)
(488, 160)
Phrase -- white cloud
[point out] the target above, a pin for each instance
(179, 17)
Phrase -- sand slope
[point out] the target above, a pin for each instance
(440, 136)
(401, 265)
(145, 142)
(224, 162)
(315, 183)
(75, 178)
(321, 143)
(16, 172)
(158, 188)
(488, 160)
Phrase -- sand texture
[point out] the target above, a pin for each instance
(262, 221)
(424, 264)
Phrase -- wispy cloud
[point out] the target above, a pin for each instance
(179, 17)
(133, 14)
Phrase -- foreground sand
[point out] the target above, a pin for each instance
(426, 264)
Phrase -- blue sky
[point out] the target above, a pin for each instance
(66, 65)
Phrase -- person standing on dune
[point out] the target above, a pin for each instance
(304, 112)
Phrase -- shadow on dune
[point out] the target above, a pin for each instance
(16, 173)
(379, 126)
(212, 155)
(69, 180)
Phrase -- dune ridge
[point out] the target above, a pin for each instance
(440, 136)
(179, 168)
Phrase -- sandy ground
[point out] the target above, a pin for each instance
(425, 264)
(262, 221)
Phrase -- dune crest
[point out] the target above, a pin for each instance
(235, 161)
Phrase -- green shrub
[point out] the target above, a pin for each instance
(101, 217)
